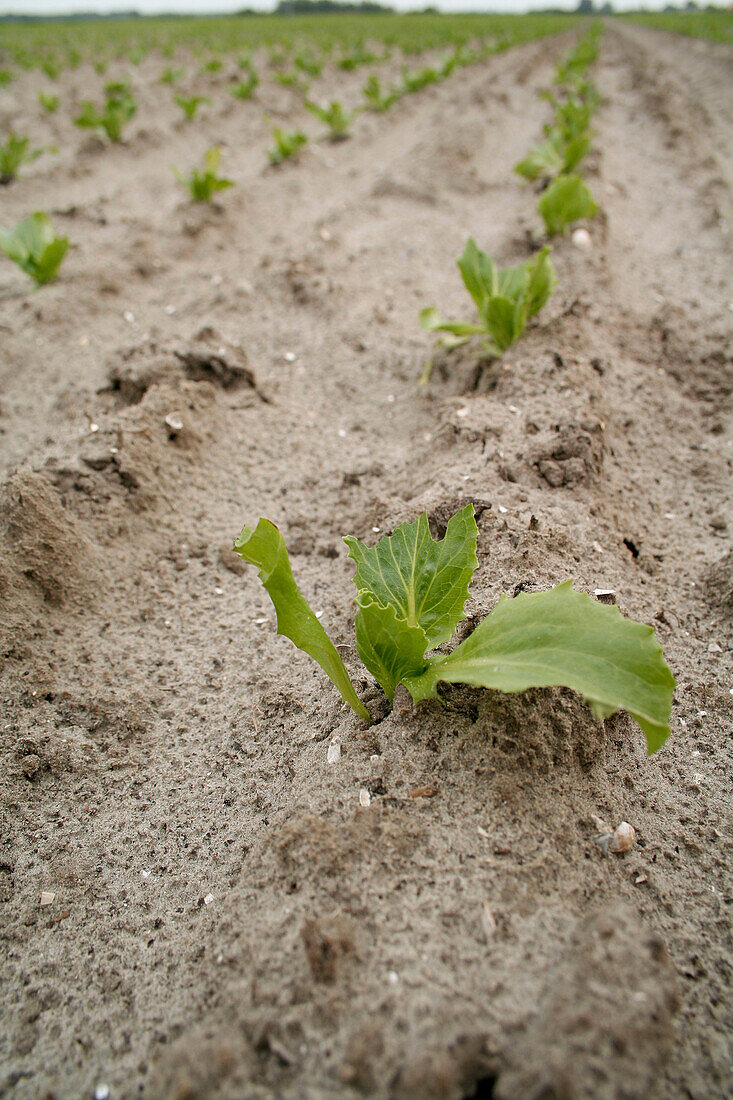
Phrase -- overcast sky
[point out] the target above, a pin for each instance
(58, 7)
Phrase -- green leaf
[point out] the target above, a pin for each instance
(575, 151)
(265, 548)
(388, 646)
(542, 281)
(566, 200)
(563, 638)
(478, 272)
(431, 321)
(424, 581)
(50, 259)
(500, 317)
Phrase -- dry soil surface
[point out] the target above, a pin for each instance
(228, 919)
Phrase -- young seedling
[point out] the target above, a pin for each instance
(292, 80)
(51, 68)
(14, 153)
(376, 99)
(415, 82)
(358, 56)
(567, 200)
(505, 298)
(288, 144)
(203, 184)
(48, 102)
(572, 115)
(190, 104)
(244, 89)
(34, 247)
(554, 156)
(411, 596)
(579, 60)
(119, 108)
(334, 117)
(170, 75)
(307, 63)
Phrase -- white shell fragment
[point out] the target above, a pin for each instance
(174, 422)
(365, 799)
(581, 239)
(334, 752)
(208, 899)
(622, 839)
(47, 898)
(488, 922)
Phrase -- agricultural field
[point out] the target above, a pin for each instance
(442, 306)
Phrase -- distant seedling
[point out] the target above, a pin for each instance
(288, 144)
(415, 82)
(567, 200)
(293, 80)
(505, 298)
(244, 89)
(119, 108)
(308, 64)
(190, 104)
(359, 56)
(334, 117)
(170, 75)
(14, 153)
(554, 156)
(203, 184)
(51, 67)
(49, 102)
(579, 60)
(376, 99)
(34, 247)
(411, 596)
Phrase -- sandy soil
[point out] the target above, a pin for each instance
(227, 920)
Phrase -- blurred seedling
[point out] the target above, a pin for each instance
(287, 144)
(14, 153)
(203, 184)
(335, 117)
(49, 102)
(567, 200)
(34, 247)
(119, 108)
(190, 104)
(376, 99)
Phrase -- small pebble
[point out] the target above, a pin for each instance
(101, 1092)
(208, 899)
(334, 752)
(47, 898)
(582, 239)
